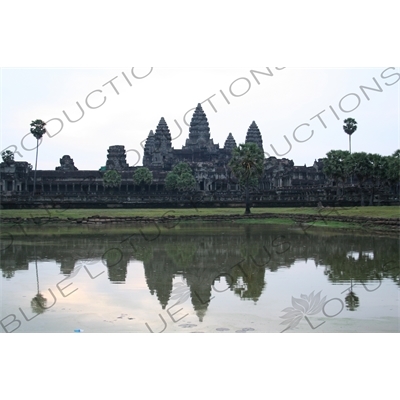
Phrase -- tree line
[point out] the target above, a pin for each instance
(369, 172)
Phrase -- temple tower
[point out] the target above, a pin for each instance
(199, 132)
(230, 143)
(162, 146)
(148, 150)
(254, 136)
(66, 164)
(116, 158)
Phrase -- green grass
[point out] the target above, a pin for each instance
(377, 212)
(258, 221)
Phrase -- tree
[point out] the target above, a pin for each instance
(336, 167)
(247, 164)
(393, 170)
(180, 178)
(7, 156)
(112, 178)
(171, 181)
(378, 177)
(143, 176)
(360, 166)
(38, 130)
(186, 182)
(350, 127)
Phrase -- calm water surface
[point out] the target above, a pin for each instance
(229, 277)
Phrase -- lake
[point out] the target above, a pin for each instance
(197, 277)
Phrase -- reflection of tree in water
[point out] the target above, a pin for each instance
(352, 301)
(38, 303)
(201, 258)
(366, 259)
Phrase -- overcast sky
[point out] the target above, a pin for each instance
(278, 102)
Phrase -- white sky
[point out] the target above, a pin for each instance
(278, 104)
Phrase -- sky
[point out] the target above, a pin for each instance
(278, 99)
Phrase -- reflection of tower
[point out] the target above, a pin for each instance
(116, 263)
(250, 281)
(159, 276)
(200, 282)
(67, 266)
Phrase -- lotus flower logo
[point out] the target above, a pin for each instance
(306, 305)
(181, 292)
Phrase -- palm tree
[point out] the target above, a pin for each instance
(143, 176)
(112, 178)
(350, 127)
(38, 303)
(247, 164)
(38, 130)
(352, 300)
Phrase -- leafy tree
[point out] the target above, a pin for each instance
(7, 156)
(247, 164)
(112, 178)
(360, 165)
(336, 166)
(393, 170)
(379, 170)
(180, 178)
(186, 182)
(350, 126)
(181, 168)
(38, 130)
(143, 176)
(171, 181)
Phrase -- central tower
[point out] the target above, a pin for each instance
(199, 132)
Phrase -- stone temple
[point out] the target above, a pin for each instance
(282, 183)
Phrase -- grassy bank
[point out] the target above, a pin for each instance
(368, 212)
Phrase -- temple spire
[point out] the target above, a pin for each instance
(162, 131)
(230, 143)
(199, 133)
(148, 150)
(162, 148)
(254, 136)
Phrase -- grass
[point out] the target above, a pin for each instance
(377, 212)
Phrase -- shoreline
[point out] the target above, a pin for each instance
(302, 220)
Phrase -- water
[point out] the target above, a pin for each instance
(221, 278)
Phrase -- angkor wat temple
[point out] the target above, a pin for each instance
(283, 183)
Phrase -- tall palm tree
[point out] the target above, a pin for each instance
(38, 130)
(350, 127)
(247, 164)
(38, 303)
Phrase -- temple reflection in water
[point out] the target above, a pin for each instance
(237, 256)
